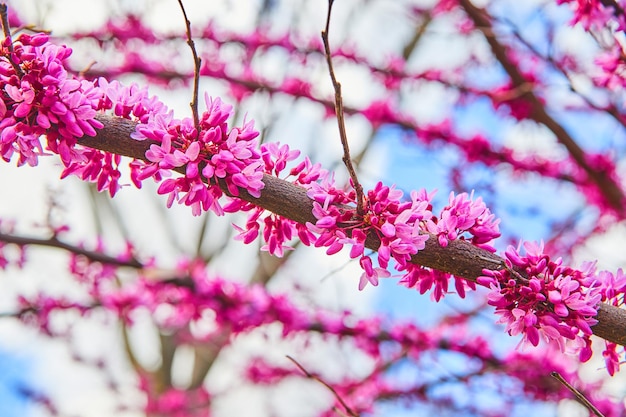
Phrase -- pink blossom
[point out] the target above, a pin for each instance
(397, 225)
(228, 155)
(536, 296)
(613, 286)
(591, 14)
(277, 231)
(43, 99)
(465, 215)
(612, 358)
(370, 273)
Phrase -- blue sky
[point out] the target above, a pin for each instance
(15, 377)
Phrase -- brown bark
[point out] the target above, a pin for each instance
(459, 258)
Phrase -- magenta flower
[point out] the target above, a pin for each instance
(277, 231)
(370, 273)
(612, 358)
(541, 298)
(397, 225)
(613, 286)
(43, 100)
(463, 215)
(224, 155)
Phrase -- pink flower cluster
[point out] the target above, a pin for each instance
(426, 279)
(613, 292)
(278, 231)
(462, 218)
(175, 402)
(395, 223)
(540, 298)
(402, 227)
(189, 295)
(129, 102)
(213, 156)
(462, 215)
(37, 97)
(612, 69)
(595, 14)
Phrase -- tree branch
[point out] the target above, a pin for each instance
(459, 258)
(55, 243)
(4, 21)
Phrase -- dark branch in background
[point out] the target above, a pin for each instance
(4, 18)
(196, 70)
(609, 108)
(459, 258)
(55, 243)
(610, 190)
(358, 188)
(579, 395)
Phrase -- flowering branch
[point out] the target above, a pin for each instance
(4, 19)
(459, 258)
(391, 74)
(533, 295)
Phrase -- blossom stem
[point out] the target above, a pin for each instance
(579, 395)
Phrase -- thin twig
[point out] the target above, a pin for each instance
(358, 188)
(4, 18)
(321, 381)
(196, 70)
(579, 395)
